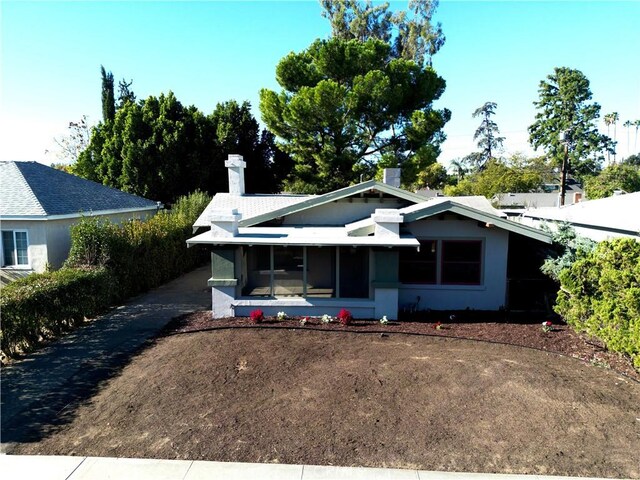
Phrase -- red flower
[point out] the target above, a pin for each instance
(256, 316)
(345, 317)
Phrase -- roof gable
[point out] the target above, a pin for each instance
(479, 215)
(31, 189)
(475, 208)
(316, 201)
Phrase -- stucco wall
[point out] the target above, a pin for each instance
(342, 211)
(50, 240)
(489, 295)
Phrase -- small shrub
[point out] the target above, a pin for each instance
(547, 326)
(281, 316)
(384, 320)
(326, 318)
(344, 317)
(438, 325)
(256, 316)
(303, 321)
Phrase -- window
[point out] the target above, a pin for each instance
(461, 262)
(420, 266)
(295, 271)
(442, 262)
(15, 248)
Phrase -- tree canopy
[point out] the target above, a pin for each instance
(517, 175)
(412, 34)
(160, 149)
(564, 107)
(624, 176)
(348, 107)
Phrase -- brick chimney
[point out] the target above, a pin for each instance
(236, 165)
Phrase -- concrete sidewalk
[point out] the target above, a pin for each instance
(95, 468)
(37, 390)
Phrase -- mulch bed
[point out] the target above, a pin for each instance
(562, 339)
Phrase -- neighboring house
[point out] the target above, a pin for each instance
(519, 201)
(372, 248)
(38, 204)
(514, 203)
(602, 219)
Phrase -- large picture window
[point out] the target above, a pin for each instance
(443, 262)
(322, 272)
(15, 248)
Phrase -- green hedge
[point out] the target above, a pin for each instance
(45, 305)
(107, 263)
(600, 295)
(141, 254)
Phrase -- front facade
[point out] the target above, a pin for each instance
(38, 206)
(371, 248)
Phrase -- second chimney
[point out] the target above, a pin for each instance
(391, 176)
(236, 165)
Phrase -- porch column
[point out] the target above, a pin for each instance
(386, 283)
(223, 281)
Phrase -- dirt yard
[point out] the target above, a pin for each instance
(366, 399)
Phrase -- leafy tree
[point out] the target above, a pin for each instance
(614, 177)
(519, 174)
(108, 99)
(487, 133)
(435, 176)
(632, 160)
(348, 107)
(160, 149)
(413, 35)
(237, 131)
(564, 106)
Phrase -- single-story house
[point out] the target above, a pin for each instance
(601, 219)
(372, 248)
(38, 205)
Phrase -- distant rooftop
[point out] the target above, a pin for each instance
(30, 189)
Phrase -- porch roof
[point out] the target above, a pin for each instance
(301, 236)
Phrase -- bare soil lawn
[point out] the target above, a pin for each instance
(367, 399)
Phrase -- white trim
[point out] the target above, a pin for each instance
(15, 266)
(89, 213)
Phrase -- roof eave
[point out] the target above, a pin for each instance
(333, 196)
(450, 206)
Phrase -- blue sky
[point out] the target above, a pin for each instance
(213, 51)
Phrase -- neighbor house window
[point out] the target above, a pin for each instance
(15, 248)
(442, 262)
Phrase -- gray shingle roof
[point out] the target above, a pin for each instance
(32, 189)
(249, 206)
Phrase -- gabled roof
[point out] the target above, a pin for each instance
(615, 214)
(476, 208)
(31, 190)
(316, 201)
(249, 206)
